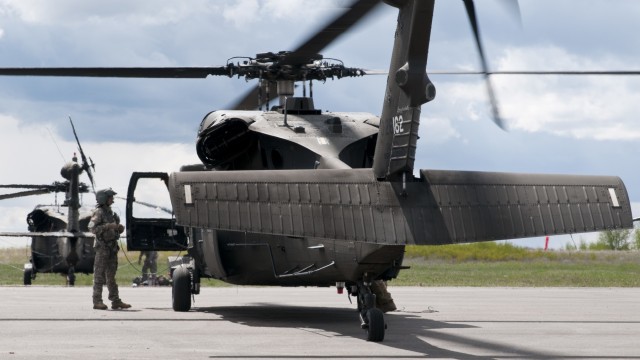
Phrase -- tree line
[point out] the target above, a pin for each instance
(626, 239)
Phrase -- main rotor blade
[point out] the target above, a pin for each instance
(85, 164)
(335, 28)
(57, 234)
(539, 72)
(149, 205)
(57, 186)
(473, 20)
(25, 186)
(24, 193)
(122, 72)
(567, 72)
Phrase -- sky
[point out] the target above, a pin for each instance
(573, 125)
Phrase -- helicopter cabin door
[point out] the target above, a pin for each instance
(150, 221)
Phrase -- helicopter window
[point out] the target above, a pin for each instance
(152, 200)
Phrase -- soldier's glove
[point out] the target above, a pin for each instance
(111, 226)
(119, 228)
(112, 231)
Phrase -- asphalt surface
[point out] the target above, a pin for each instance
(287, 323)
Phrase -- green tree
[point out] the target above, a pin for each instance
(636, 239)
(614, 239)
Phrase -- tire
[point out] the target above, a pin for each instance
(71, 277)
(181, 289)
(375, 331)
(27, 276)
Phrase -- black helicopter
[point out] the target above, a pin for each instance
(296, 196)
(60, 241)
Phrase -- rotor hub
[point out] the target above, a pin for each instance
(286, 65)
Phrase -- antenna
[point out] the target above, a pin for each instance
(85, 164)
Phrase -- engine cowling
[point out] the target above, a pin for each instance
(223, 137)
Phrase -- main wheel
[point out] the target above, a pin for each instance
(375, 330)
(27, 276)
(181, 289)
(71, 277)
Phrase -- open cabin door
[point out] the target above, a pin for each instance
(151, 224)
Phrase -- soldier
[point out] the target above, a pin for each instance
(150, 264)
(105, 224)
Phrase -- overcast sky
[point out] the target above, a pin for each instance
(575, 125)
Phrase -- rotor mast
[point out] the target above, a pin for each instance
(285, 90)
(71, 171)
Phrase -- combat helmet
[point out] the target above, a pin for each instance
(103, 195)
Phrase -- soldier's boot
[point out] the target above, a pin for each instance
(100, 306)
(118, 304)
(384, 301)
(386, 305)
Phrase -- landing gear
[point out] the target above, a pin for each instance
(71, 276)
(377, 326)
(28, 274)
(372, 318)
(181, 289)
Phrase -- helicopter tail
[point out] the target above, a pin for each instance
(408, 87)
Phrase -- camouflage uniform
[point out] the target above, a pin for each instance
(150, 262)
(106, 247)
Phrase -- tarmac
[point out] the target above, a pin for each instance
(38, 322)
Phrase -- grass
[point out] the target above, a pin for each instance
(520, 274)
(481, 264)
(495, 264)
(12, 261)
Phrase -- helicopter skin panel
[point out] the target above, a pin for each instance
(441, 207)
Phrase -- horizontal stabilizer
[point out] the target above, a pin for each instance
(479, 206)
(441, 207)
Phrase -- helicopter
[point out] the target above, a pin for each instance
(60, 240)
(291, 195)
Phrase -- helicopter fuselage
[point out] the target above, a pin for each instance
(299, 138)
(294, 139)
(59, 254)
(244, 258)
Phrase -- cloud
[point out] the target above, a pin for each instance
(242, 12)
(34, 154)
(440, 130)
(583, 107)
(287, 9)
(72, 12)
